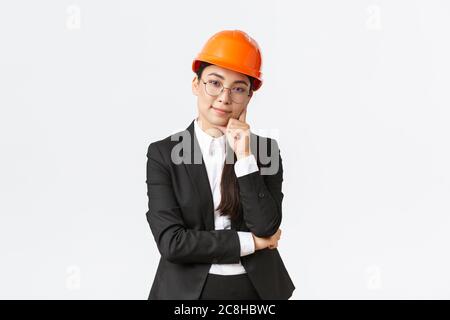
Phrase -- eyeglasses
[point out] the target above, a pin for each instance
(238, 93)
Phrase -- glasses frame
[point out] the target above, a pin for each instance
(223, 88)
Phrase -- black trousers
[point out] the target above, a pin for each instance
(228, 287)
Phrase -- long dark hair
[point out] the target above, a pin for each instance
(230, 203)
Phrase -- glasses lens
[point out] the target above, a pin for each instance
(213, 87)
(238, 94)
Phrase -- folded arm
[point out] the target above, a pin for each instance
(261, 197)
(175, 242)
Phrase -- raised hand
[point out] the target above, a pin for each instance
(237, 132)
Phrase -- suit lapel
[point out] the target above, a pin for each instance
(199, 178)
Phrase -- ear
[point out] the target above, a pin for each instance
(251, 93)
(195, 86)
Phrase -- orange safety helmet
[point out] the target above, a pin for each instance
(234, 50)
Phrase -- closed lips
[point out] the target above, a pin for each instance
(220, 109)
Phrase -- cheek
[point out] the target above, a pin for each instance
(204, 102)
(237, 112)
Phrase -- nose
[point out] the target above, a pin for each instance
(225, 96)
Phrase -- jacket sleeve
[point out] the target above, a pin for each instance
(175, 242)
(261, 198)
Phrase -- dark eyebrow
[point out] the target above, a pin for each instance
(221, 77)
(241, 81)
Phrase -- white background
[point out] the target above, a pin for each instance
(356, 92)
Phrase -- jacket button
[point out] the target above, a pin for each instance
(261, 195)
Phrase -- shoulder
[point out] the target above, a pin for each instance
(267, 154)
(264, 145)
(163, 147)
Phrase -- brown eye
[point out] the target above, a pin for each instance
(239, 90)
(214, 83)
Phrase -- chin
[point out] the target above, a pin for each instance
(220, 121)
(215, 119)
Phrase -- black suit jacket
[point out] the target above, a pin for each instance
(181, 219)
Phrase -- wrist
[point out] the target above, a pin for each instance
(242, 155)
(257, 241)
